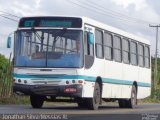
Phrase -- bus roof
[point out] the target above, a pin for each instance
(114, 30)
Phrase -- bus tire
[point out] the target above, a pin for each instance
(82, 104)
(36, 101)
(122, 103)
(93, 103)
(132, 102)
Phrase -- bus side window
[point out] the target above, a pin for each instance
(108, 46)
(117, 49)
(88, 47)
(99, 44)
(147, 57)
(141, 55)
(126, 50)
(133, 53)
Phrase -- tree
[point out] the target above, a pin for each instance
(3, 65)
(5, 77)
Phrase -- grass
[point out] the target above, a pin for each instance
(15, 100)
(25, 100)
(149, 100)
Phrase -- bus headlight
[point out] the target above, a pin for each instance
(67, 82)
(19, 80)
(25, 81)
(73, 81)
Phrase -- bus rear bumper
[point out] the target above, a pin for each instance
(46, 90)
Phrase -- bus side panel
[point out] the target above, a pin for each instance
(88, 89)
(126, 91)
(109, 90)
(112, 76)
(143, 92)
(130, 74)
(144, 76)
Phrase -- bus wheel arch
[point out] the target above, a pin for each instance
(136, 85)
(99, 81)
(94, 102)
(132, 101)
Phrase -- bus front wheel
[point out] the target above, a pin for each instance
(82, 104)
(36, 101)
(93, 103)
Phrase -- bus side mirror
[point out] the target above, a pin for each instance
(9, 42)
(90, 38)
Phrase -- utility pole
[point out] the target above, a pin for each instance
(156, 53)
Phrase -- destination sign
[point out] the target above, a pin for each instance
(69, 22)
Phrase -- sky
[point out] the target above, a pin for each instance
(133, 16)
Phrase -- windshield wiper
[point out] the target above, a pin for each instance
(38, 36)
(58, 35)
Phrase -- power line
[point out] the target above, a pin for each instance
(9, 18)
(103, 12)
(6, 13)
(91, 3)
(116, 14)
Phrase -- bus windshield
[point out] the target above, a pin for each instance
(48, 48)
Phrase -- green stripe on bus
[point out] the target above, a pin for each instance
(88, 78)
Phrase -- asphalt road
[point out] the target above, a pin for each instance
(72, 112)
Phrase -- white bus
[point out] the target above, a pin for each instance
(80, 58)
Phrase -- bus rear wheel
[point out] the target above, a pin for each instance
(93, 103)
(36, 101)
(129, 103)
(122, 103)
(132, 102)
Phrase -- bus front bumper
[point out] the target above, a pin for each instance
(46, 90)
